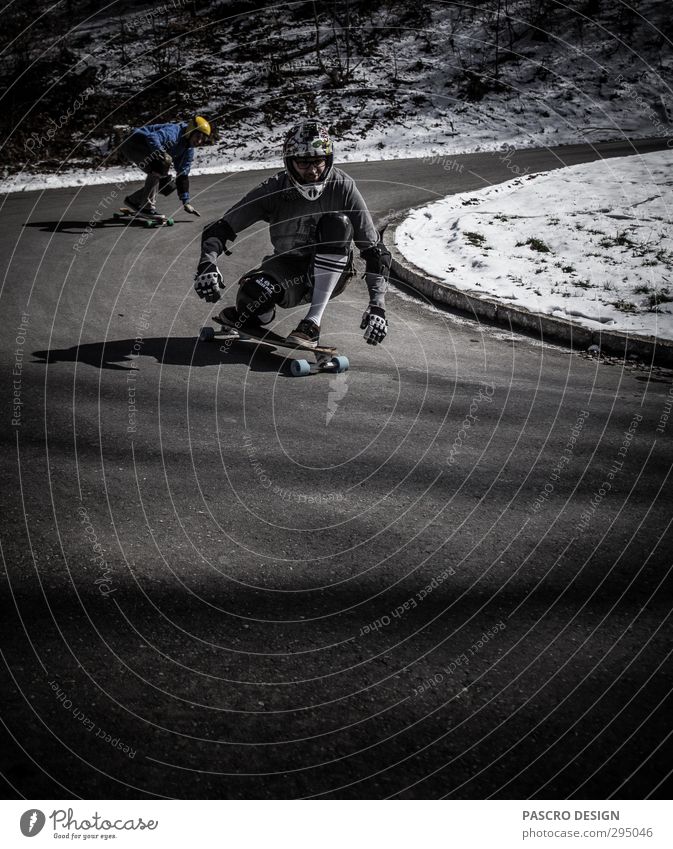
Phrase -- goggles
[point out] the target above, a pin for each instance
(307, 162)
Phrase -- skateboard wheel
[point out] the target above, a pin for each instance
(340, 364)
(300, 368)
(207, 334)
(169, 222)
(149, 223)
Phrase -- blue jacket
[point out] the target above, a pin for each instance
(171, 139)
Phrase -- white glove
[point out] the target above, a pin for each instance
(374, 324)
(208, 282)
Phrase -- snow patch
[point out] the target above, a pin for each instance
(590, 242)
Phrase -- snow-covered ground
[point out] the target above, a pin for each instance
(406, 96)
(26, 181)
(592, 243)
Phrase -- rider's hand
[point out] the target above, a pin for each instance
(208, 282)
(190, 209)
(374, 324)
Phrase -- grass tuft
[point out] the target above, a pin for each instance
(535, 245)
(625, 306)
(475, 239)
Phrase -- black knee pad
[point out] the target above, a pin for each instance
(334, 234)
(258, 293)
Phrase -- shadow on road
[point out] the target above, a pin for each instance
(121, 354)
(78, 228)
(73, 228)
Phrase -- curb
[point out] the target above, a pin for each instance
(547, 328)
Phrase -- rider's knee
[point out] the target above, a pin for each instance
(334, 233)
(259, 293)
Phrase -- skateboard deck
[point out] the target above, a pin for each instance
(326, 357)
(148, 220)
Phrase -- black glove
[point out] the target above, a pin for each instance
(374, 324)
(208, 282)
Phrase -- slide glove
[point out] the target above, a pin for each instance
(208, 282)
(374, 325)
(190, 209)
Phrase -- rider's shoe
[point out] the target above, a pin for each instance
(306, 334)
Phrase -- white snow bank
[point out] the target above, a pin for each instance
(592, 243)
(32, 182)
(418, 142)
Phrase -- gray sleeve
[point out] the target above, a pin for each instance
(365, 234)
(253, 207)
(366, 238)
(250, 208)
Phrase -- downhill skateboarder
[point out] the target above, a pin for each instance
(315, 212)
(157, 147)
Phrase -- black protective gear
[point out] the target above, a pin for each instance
(374, 324)
(215, 237)
(208, 282)
(291, 280)
(166, 186)
(257, 294)
(334, 234)
(238, 320)
(377, 260)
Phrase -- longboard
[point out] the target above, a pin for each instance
(125, 213)
(326, 357)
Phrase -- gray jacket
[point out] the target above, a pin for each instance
(293, 219)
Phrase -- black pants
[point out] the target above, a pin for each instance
(286, 281)
(137, 150)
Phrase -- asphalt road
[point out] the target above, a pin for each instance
(444, 574)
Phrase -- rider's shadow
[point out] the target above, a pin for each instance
(79, 228)
(72, 228)
(121, 354)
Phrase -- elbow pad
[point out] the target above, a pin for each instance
(217, 234)
(377, 260)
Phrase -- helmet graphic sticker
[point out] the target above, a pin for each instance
(308, 140)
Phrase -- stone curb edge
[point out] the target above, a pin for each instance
(647, 348)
